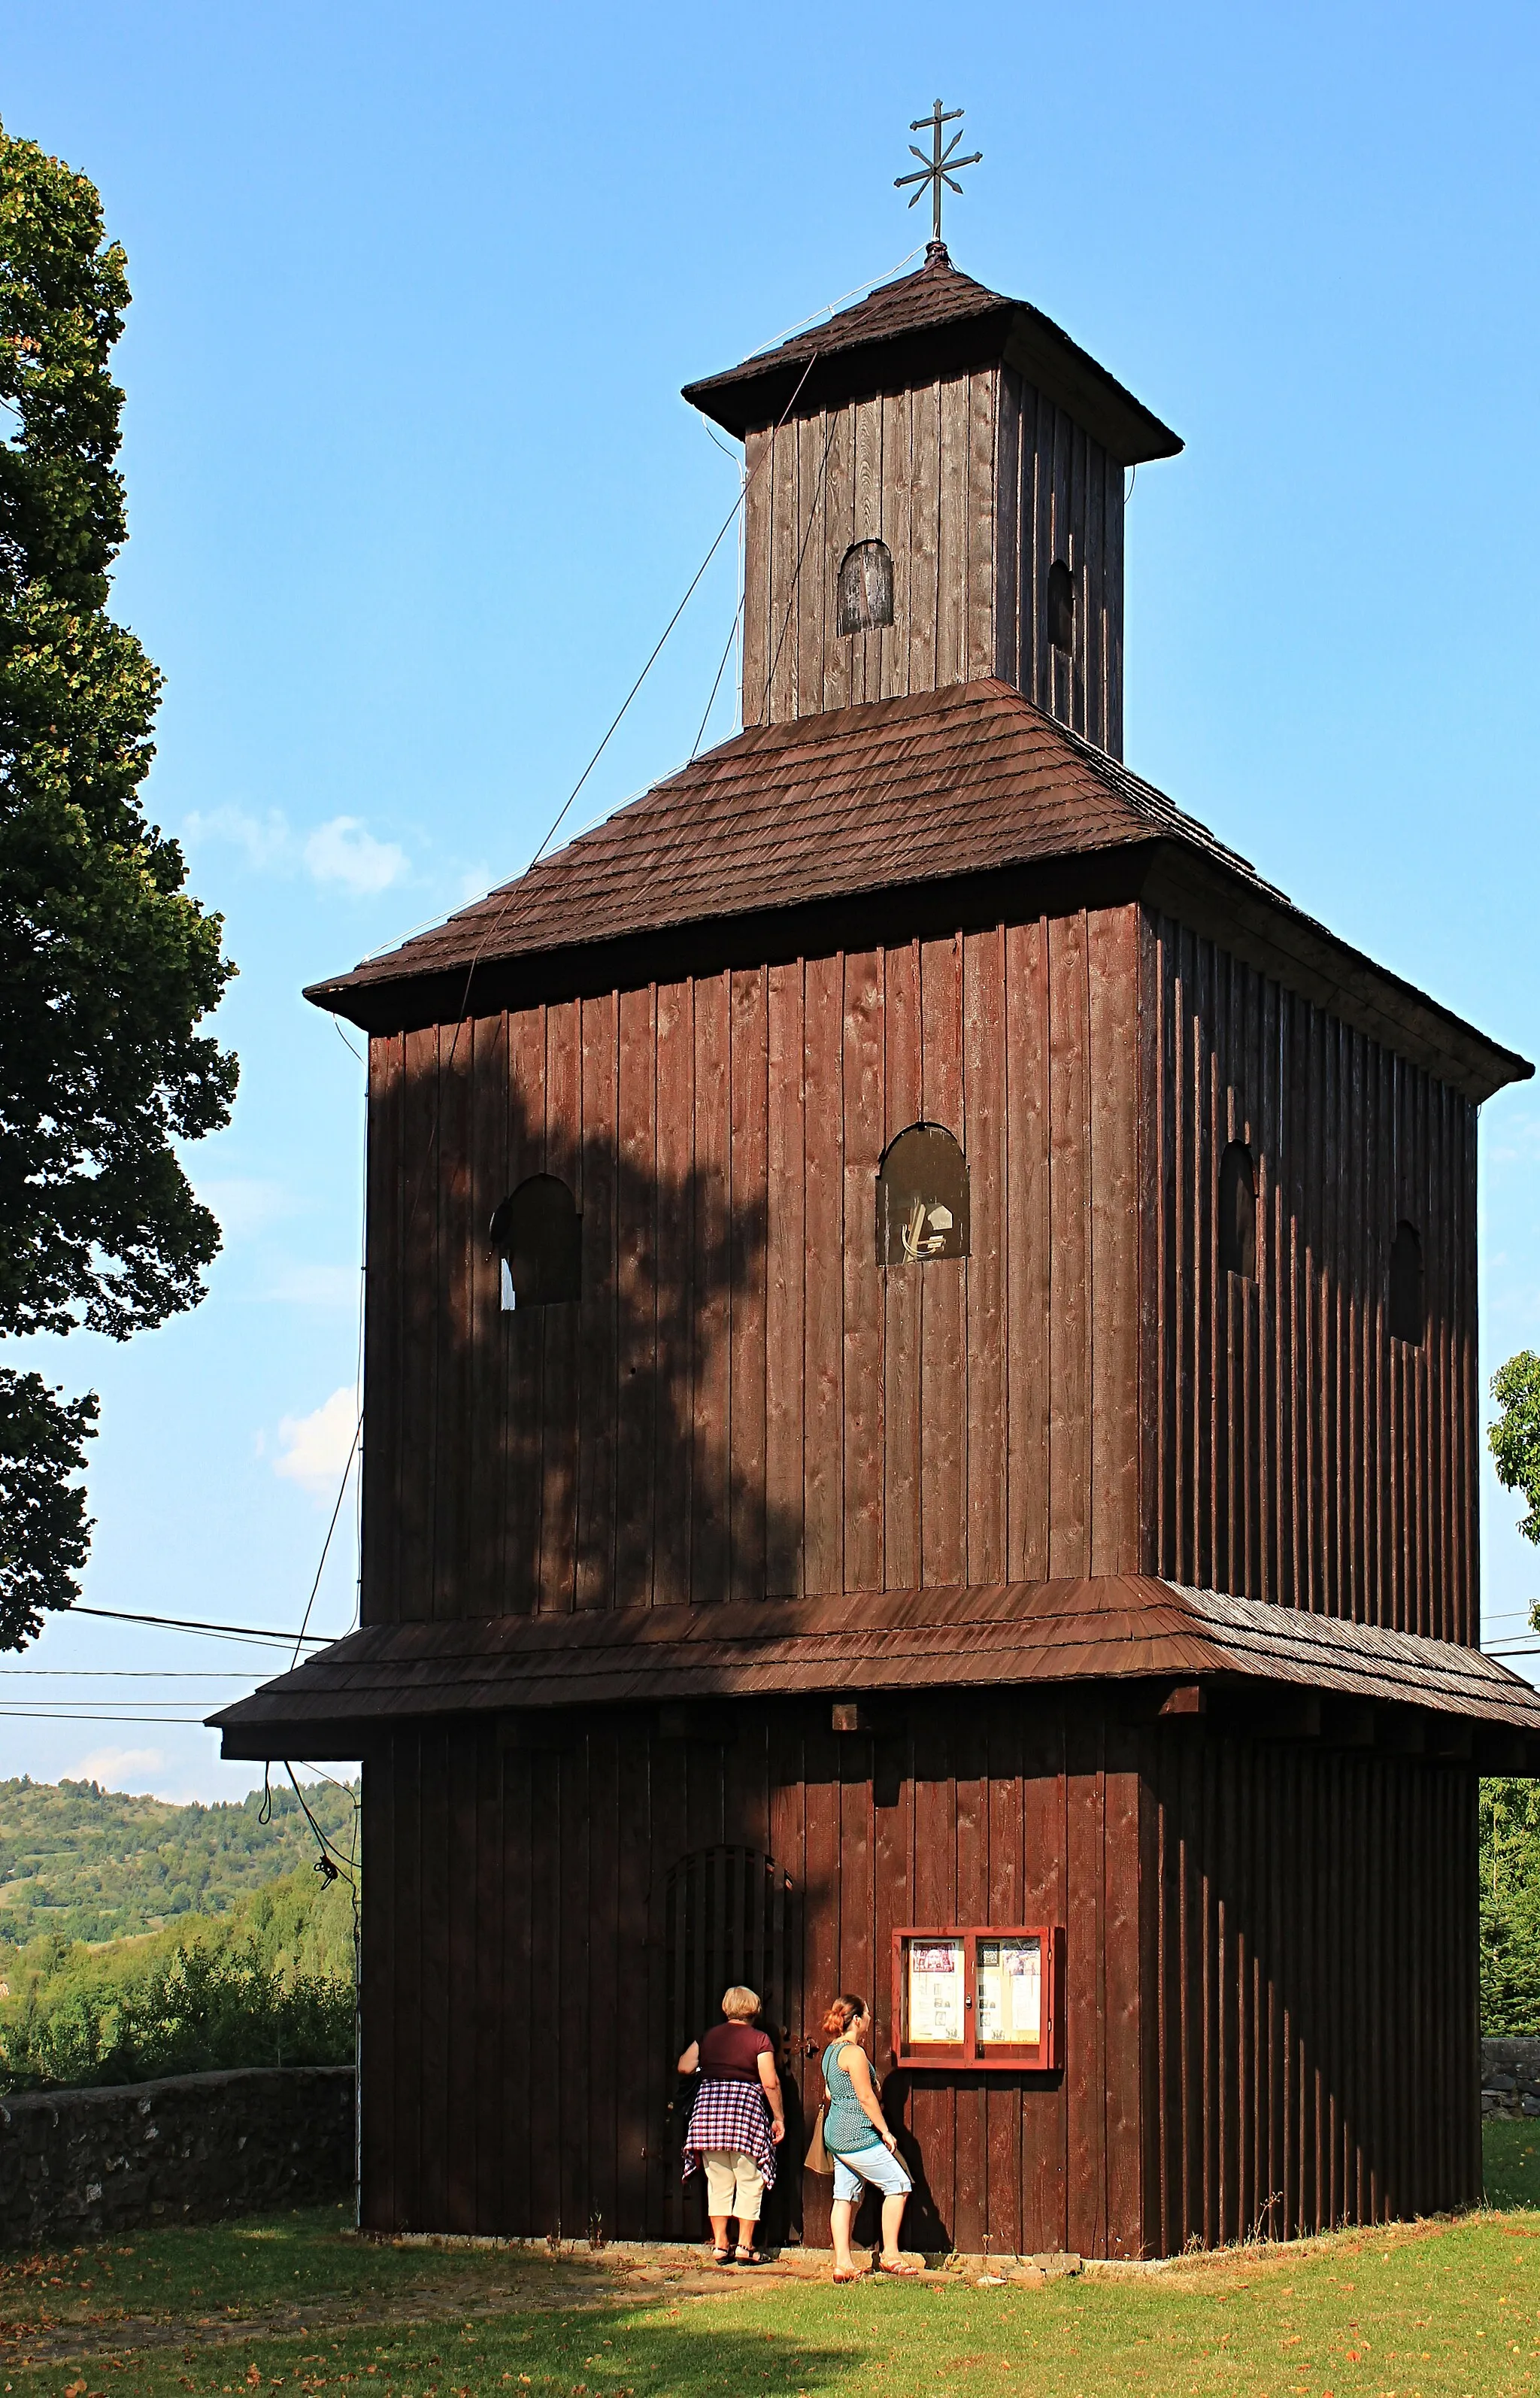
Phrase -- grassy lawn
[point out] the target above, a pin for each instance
(1434, 2310)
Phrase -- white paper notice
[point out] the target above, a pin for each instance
(935, 1992)
(1009, 1992)
(1023, 1962)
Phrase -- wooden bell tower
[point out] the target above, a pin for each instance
(935, 496)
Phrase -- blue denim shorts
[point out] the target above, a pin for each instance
(877, 2165)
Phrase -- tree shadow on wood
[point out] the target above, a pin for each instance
(605, 1451)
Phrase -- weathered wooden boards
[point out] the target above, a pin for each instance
(1293, 1450)
(976, 483)
(1270, 1972)
(744, 1402)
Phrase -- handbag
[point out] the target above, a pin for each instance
(818, 2159)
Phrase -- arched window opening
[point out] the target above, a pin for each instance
(1061, 606)
(865, 586)
(1236, 1211)
(1406, 1284)
(725, 1920)
(537, 1232)
(922, 1198)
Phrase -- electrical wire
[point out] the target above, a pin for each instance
(565, 809)
(195, 1623)
(797, 570)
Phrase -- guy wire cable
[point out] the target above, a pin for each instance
(491, 930)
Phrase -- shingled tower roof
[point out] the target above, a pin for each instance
(934, 322)
(935, 800)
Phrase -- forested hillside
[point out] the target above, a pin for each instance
(93, 1864)
(270, 1982)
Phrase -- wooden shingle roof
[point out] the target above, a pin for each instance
(960, 780)
(917, 802)
(926, 324)
(1013, 1635)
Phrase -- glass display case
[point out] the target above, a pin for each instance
(979, 1996)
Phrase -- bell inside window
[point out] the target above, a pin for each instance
(922, 1211)
(865, 587)
(537, 1232)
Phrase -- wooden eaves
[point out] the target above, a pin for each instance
(1131, 1629)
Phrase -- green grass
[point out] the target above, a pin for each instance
(1510, 2154)
(1433, 2310)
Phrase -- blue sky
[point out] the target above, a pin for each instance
(413, 493)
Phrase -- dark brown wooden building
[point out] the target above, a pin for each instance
(921, 1417)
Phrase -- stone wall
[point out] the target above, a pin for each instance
(1510, 2077)
(78, 2162)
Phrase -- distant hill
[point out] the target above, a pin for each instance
(89, 1863)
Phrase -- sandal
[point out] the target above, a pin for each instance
(749, 2256)
(903, 2271)
(853, 2275)
(721, 2256)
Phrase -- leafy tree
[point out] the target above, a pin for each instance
(1510, 1907)
(107, 965)
(1515, 1438)
(270, 1984)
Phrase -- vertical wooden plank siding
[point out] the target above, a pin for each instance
(1294, 1450)
(743, 1401)
(1225, 2076)
(949, 474)
(386, 1203)
(1321, 2068)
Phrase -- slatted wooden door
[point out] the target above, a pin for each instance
(726, 1918)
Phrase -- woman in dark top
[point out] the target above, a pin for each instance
(729, 2132)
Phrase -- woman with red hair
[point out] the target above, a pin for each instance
(857, 2137)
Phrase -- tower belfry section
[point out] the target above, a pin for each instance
(962, 443)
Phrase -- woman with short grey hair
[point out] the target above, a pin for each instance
(730, 2132)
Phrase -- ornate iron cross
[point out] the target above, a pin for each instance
(940, 166)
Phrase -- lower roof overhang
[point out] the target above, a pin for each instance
(1161, 1639)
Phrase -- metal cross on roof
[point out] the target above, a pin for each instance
(940, 166)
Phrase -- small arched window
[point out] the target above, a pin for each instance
(1236, 1211)
(922, 1198)
(537, 1232)
(1406, 1284)
(865, 586)
(1061, 606)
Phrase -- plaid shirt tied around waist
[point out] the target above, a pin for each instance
(731, 2115)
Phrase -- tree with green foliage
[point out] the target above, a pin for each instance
(1515, 1438)
(271, 1983)
(107, 963)
(1510, 1907)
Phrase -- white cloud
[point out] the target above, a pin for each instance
(266, 840)
(343, 852)
(318, 1285)
(315, 1448)
(113, 1767)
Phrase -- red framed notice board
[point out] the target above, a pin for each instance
(984, 1996)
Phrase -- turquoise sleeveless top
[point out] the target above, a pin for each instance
(847, 2124)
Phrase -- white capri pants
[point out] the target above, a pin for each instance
(734, 2184)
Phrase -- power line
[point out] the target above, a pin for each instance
(193, 1623)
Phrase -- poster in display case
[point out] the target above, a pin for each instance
(979, 1997)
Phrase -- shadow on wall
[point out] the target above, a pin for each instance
(568, 1400)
